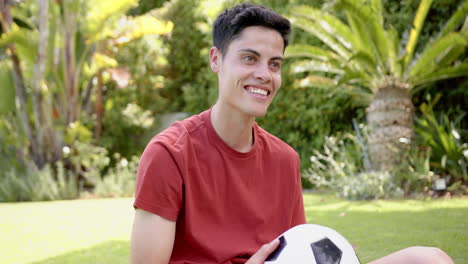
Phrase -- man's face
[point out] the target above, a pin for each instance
(249, 73)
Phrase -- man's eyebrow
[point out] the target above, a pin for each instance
(258, 54)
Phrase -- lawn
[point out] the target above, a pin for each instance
(97, 231)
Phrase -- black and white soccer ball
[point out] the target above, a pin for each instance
(313, 244)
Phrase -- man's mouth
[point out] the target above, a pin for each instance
(257, 91)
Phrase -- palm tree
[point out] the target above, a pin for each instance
(364, 55)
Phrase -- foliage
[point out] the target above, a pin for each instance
(119, 181)
(126, 127)
(446, 140)
(360, 60)
(370, 185)
(339, 167)
(80, 49)
(38, 185)
(189, 85)
(87, 161)
(340, 158)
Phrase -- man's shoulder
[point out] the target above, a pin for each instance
(276, 144)
(180, 131)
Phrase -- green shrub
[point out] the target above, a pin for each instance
(119, 180)
(447, 142)
(368, 186)
(38, 185)
(340, 167)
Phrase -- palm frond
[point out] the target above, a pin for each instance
(313, 52)
(370, 27)
(458, 70)
(376, 6)
(418, 22)
(329, 23)
(317, 31)
(316, 81)
(455, 19)
(439, 54)
(315, 66)
(365, 61)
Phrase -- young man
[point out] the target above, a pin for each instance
(217, 188)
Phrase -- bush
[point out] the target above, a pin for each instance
(38, 185)
(447, 142)
(368, 186)
(119, 180)
(340, 167)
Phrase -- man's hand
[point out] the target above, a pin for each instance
(263, 253)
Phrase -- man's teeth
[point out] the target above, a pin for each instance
(257, 91)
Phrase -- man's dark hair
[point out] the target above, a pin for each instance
(231, 22)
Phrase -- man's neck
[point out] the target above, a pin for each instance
(233, 127)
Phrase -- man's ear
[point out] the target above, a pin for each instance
(215, 59)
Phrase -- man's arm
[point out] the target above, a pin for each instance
(152, 238)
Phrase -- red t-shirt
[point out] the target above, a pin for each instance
(226, 204)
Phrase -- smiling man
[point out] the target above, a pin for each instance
(216, 187)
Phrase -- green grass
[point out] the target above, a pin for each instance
(98, 231)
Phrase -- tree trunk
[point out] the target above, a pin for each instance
(99, 107)
(390, 119)
(39, 69)
(70, 81)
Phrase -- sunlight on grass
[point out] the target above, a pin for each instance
(48, 229)
(98, 231)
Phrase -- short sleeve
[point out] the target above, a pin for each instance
(159, 185)
(298, 215)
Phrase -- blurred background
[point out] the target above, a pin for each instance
(84, 85)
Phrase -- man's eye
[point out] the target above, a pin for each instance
(275, 65)
(249, 58)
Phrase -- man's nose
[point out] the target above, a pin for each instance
(262, 72)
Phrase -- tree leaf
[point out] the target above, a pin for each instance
(445, 73)
(133, 28)
(317, 31)
(99, 12)
(418, 22)
(329, 23)
(7, 88)
(315, 81)
(315, 66)
(313, 52)
(455, 19)
(438, 54)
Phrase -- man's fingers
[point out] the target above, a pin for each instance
(263, 252)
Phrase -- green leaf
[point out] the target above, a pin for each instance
(98, 14)
(315, 81)
(329, 23)
(418, 22)
(317, 31)
(24, 40)
(315, 66)
(439, 54)
(455, 19)
(445, 73)
(393, 47)
(133, 28)
(365, 61)
(7, 88)
(313, 52)
(368, 23)
(376, 6)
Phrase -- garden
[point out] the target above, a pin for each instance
(373, 98)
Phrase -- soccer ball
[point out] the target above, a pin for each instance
(313, 244)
